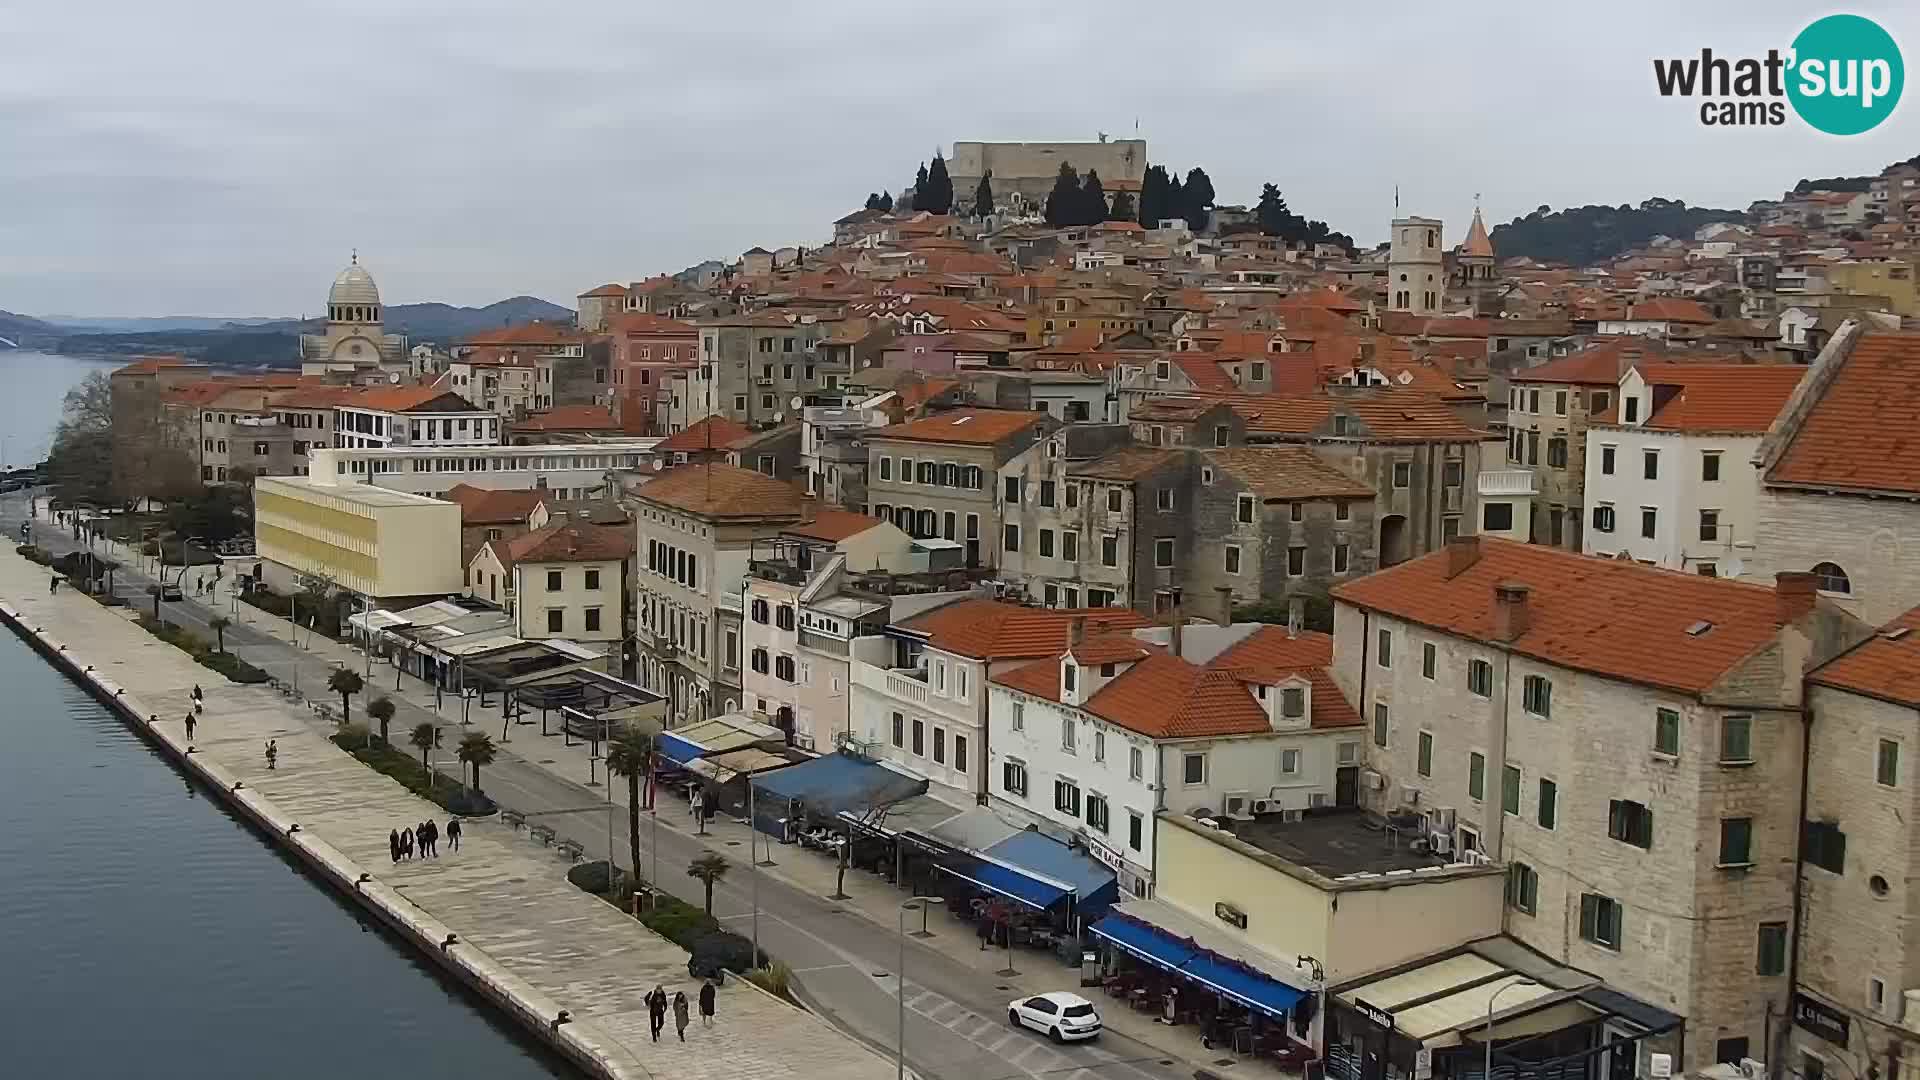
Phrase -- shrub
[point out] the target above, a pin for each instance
(381, 758)
(34, 553)
(776, 979)
(150, 548)
(592, 877)
(227, 664)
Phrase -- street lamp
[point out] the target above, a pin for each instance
(916, 903)
(1319, 1033)
(1491, 998)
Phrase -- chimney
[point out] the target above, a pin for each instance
(1462, 553)
(1296, 615)
(1793, 593)
(1225, 594)
(1076, 631)
(1510, 614)
(1178, 629)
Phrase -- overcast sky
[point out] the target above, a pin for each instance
(221, 157)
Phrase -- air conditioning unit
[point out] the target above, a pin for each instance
(1292, 815)
(1237, 807)
(1208, 822)
(1441, 819)
(1440, 843)
(1420, 845)
(1409, 795)
(1476, 858)
(1321, 800)
(1266, 806)
(1752, 1070)
(1371, 780)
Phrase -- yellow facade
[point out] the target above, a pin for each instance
(368, 540)
(1893, 280)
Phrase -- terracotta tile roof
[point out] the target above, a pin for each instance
(313, 397)
(642, 324)
(974, 427)
(1387, 416)
(533, 333)
(1884, 666)
(1129, 463)
(834, 525)
(407, 399)
(915, 394)
(714, 432)
(1601, 363)
(1167, 698)
(1859, 434)
(1477, 243)
(1741, 398)
(1203, 371)
(1669, 309)
(566, 542)
(1611, 617)
(569, 418)
(149, 365)
(608, 290)
(1287, 472)
(714, 489)
(486, 506)
(997, 630)
(1269, 655)
(1112, 648)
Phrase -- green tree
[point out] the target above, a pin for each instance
(218, 624)
(423, 739)
(1063, 200)
(1153, 196)
(873, 200)
(939, 197)
(886, 202)
(1122, 207)
(1092, 207)
(346, 682)
(475, 750)
(631, 756)
(381, 710)
(1176, 201)
(708, 869)
(1198, 194)
(983, 195)
(920, 192)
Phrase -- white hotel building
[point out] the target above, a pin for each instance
(573, 470)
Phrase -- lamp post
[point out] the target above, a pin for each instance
(1319, 1033)
(1491, 998)
(916, 903)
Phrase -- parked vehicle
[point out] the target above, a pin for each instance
(1062, 1016)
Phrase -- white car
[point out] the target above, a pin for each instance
(1064, 1017)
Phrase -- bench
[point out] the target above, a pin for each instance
(513, 817)
(572, 849)
(542, 833)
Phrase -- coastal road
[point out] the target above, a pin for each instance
(846, 965)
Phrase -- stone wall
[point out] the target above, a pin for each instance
(1030, 168)
(1876, 541)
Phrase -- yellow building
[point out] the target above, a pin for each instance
(1891, 279)
(378, 543)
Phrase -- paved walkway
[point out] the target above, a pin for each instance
(500, 893)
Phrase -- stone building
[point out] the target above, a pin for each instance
(1416, 271)
(1549, 409)
(1051, 557)
(354, 340)
(1024, 172)
(567, 580)
(936, 477)
(753, 366)
(1620, 737)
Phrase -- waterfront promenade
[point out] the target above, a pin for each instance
(523, 936)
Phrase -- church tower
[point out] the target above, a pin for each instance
(1473, 265)
(1416, 271)
(354, 341)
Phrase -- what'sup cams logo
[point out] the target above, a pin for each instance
(1842, 75)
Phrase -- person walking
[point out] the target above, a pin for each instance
(433, 838)
(273, 754)
(190, 726)
(198, 694)
(453, 833)
(54, 585)
(657, 1010)
(680, 1014)
(706, 1003)
(393, 844)
(406, 844)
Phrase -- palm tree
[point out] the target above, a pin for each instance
(346, 682)
(709, 868)
(218, 624)
(475, 750)
(631, 756)
(423, 739)
(380, 709)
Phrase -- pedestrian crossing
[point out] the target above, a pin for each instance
(1025, 1050)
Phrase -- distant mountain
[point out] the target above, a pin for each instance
(109, 324)
(441, 323)
(1584, 235)
(25, 329)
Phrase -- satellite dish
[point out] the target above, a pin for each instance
(658, 464)
(394, 378)
(798, 401)
(778, 417)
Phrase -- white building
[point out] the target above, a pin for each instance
(569, 470)
(1671, 479)
(411, 416)
(567, 581)
(1207, 721)
(354, 341)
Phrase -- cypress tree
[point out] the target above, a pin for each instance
(1063, 200)
(1093, 200)
(873, 200)
(1176, 200)
(1153, 196)
(886, 202)
(1199, 196)
(983, 195)
(939, 199)
(1122, 207)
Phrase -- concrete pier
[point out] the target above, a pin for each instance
(499, 914)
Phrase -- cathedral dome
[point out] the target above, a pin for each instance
(354, 286)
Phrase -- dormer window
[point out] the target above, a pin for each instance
(1293, 702)
(1342, 424)
(1069, 676)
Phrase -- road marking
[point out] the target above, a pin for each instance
(822, 967)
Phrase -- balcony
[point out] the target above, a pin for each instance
(1507, 482)
(908, 684)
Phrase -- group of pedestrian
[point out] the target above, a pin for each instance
(423, 838)
(659, 1002)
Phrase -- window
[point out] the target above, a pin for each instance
(1599, 402)
(1603, 518)
(593, 620)
(1496, 517)
(1386, 648)
(1876, 995)
(1296, 561)
(1476, 776)
(1046, 491)
(1832, 579)
(783, 670)
(899, 727)
(1606, 460)
(1630, 409)
(1296, 512)
(1342, 511)
(1135, 826)
(1290, 762)
(886, 468)
(1073, 496)
(1709, 524)
(553, 580)
(1649, 522)
(783, 617)
(1549, 804)
(1707, 569)
(1070, 546)
(1824, 845)
(1193, 769)
(1293, 702)
(1523, 887)
(1243, 509)
(1163, 552)
(1113, 500)
(1480, 678)
(1066, 797)
(1771, 949)
(1429, 659)
(1381, 722)
(1736, 740)
(1165, 500)
(960, 752)
(1100, 737)
(1012, 490)
(1046, 543)
(1536, 696)
(1109, 550)
(1736, 841)
(1135, 762)
(1666, 732)
(1630, 823)
(1600, 918)
(1011, 541)
(757, 660)
(1709, 465)
(1232, 558)
(759, 610)
(556, 620)
(1510, 789)
(1557, 452)
(919, 735)
(1650, 464)
(593, 579)
(1097, 812)
(1067, 726)
(1559, 403)
(1887, 766)
(1017, 717)
(1013, 777)
(1423, 758)
(1402, 474)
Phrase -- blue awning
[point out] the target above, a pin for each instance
(1092, 884)
(1011, 884)
(1252, 990)
(676, 749)
(1143, 942)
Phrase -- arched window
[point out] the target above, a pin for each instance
(1833, 579)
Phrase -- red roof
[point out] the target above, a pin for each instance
(607, 290)
(1884, 666)
(1613, 617)
(1601, 363)
(569, 418)
(406, 399)
(568, 541)
(1859, 432)
(487, 506)
(533, 333)
(642, 324)
(715, 432)
(1742, 398)
(997, 630)
(1669, 309)
(979, 427)
(834, 525)
(718, 490)
(1269, 655)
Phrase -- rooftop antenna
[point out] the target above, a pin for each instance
(1396, 198)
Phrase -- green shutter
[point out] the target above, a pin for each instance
(1510, 789)
(1425, 763)
(1549, 798)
